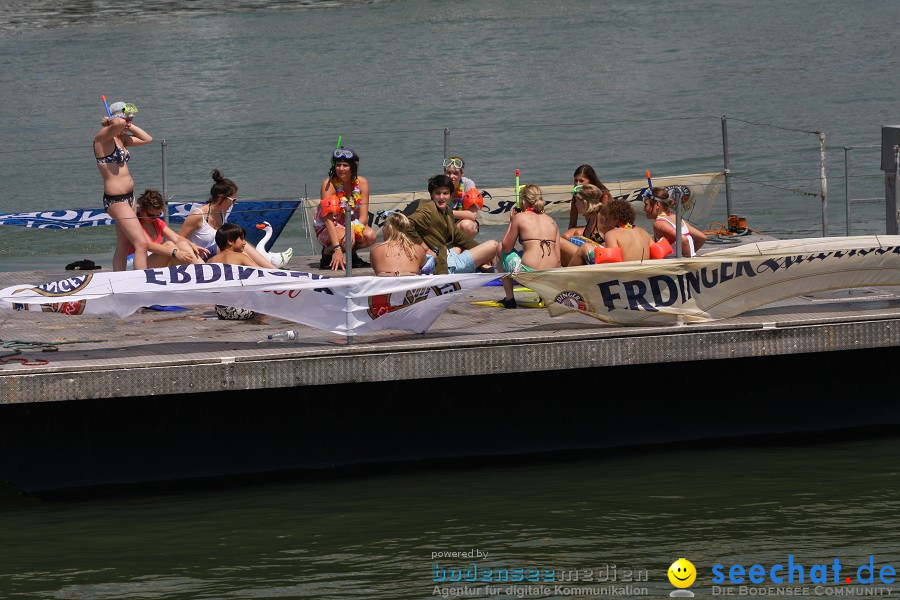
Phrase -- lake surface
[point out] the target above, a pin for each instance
(262, 90)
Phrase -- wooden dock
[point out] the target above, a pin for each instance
(180, 395)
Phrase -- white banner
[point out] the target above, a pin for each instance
(353, 305)
(718, 285)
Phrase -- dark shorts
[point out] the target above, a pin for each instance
(110, 200)
(232, 313)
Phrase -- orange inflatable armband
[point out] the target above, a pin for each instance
(473, 197)
(661, 249)
(331, 204)
(607, 255)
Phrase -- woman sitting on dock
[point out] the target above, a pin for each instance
(343, 187)
(539, 236)
(201, 224)
(397, 255)
(165, 248)
(588, 200)
(658, 206)
(466, 217)
(585, 175)
(111, 144)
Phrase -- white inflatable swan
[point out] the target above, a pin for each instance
(279, 259)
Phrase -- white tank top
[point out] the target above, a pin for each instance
(205, 236)
(685, 233)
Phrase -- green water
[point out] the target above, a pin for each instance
(374, 536)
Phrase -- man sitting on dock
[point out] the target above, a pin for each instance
(434, 228)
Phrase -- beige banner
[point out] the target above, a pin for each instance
(718, 285)
(703, 188)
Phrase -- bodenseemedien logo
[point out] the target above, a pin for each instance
(682, 575)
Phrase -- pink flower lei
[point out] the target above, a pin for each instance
(342, 195)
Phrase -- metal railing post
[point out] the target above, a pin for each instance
(348, 238)
(727, 165)
(897, 186)
(847, 185)
(446, 142)
(824, 184)
(677, 196)
(165, 175)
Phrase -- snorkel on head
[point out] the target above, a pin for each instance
(122, 110)
(347, 155)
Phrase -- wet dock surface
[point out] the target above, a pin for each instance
(157, 352)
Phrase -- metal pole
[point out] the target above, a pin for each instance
(165, 176)
(847, 185)
(446, 142)
(897, 186)
(348, 237)
(727, 165)
(677, 195)
(824, 184)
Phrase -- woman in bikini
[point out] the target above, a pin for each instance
(588, 200)
(343, 186)
(585, 175)
(201, 224)
(118, 133)
(397, 255)
(539, 236)
(165, 248)
(658, 206)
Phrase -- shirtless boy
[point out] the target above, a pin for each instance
(231, 243)
(230, 238)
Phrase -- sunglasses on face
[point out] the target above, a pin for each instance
(454, 162)
(150, 216)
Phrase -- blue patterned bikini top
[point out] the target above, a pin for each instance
(119, 156)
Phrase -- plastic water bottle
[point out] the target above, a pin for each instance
(285, 336)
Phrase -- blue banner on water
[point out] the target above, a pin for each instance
(246, 214)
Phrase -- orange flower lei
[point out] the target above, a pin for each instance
(342, 195)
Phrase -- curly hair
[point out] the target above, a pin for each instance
(151, 199)
(619, 211)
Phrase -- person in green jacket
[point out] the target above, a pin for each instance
(433, 226)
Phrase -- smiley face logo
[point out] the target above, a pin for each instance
(682, 573)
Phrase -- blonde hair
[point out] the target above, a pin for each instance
(532, 197)
(394, 231)
(592, 196)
